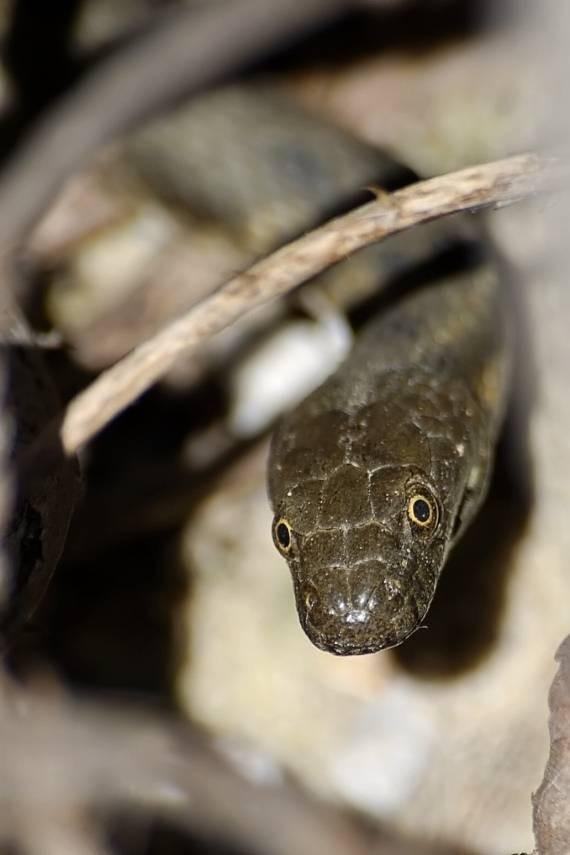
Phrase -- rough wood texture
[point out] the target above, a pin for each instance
(551, 801)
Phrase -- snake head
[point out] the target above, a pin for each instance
(364, 570)
(376, 474)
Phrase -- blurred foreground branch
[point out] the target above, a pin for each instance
(190, 50)
(498, 183)
(64, 762)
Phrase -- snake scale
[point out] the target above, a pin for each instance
(376, 475)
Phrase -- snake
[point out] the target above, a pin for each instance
(376, 475)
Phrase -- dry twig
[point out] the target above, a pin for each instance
(498, 183)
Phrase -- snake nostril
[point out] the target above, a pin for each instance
(310, 598)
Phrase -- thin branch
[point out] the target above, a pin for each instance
(497, 183)
(190, 50)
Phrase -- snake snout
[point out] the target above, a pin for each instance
(349, 611)
(325, 605)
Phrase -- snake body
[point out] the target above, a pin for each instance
(376, 474)
(374, 477)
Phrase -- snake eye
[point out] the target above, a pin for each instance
(282, 535)
(422, 510)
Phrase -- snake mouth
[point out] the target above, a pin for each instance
(345, 647)
(347, 644)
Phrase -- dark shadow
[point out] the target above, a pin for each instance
(43, 61)
(39, 59)
(412, 27)
(451, 255)
(133, 836)
(110, 618)
(108, 622)
(44, 488)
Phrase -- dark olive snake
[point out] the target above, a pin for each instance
(375, 476)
